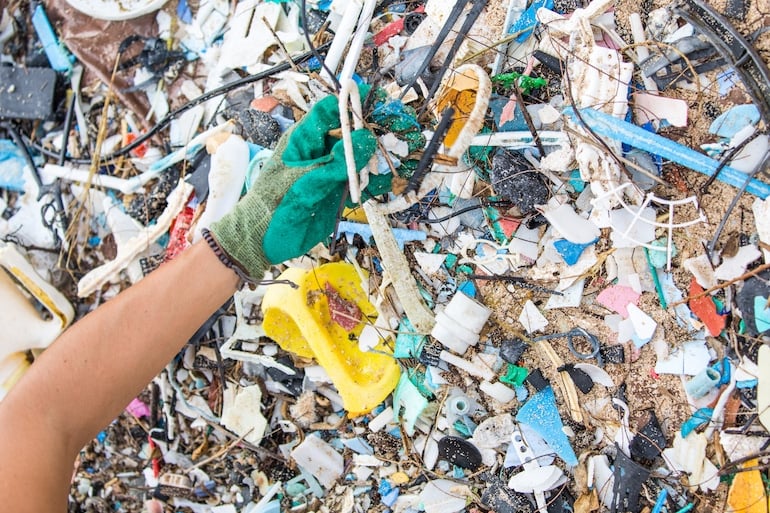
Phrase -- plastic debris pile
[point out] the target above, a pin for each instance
(561, 305)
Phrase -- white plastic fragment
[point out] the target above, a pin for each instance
(430, 263)
(644, 325)
(566, 221)
(242, 413)
(734, 266)
(701, 269)
(689, 455)
(469, 367)
(444, 496)
(761, 210)
(597, 374)
(653, 107)
(320, 459)
(116, 10)
(569, 298)
(382, 419)
(531, 318)
(459, 325)
(493, 432)
(689, 359)
(109, 271)
(632, 228)
(498, 391)
(226, 177)
(763, 386)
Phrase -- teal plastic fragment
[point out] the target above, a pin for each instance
(700, 417)
(761, 314)
(408, 342)
(576, 180)
(659, 259)
(462, 428)
(408, 397)
(450, 261)
(515, 375)
(637, 137)
(542, 415)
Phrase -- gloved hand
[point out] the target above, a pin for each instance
(293, 203)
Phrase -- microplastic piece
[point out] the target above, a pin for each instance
(458, 451)
(542, 415)
(320, 459)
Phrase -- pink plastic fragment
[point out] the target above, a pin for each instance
(705, 310)
(617, 298)
(138, 409)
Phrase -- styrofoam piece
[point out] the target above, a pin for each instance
(531, 318)
(242, 413)
(498, 391)
(116, 10)
(444, 496)
(226, 177)
(734, 266)
(701, 269)
(469, 367)
(109, 271)
(320, 459)
(569, 298)
(20, 288)
(689, 358)
(572, 227)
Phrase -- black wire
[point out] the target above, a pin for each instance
(313, 49)
(187, 106)
(450, 216)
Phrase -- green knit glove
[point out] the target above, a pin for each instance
(293, 203)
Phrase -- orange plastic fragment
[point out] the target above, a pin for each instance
(705, 310)
(747, 493)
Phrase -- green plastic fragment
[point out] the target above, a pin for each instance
(408, 397)
(514, 375)
(462, 428)
(525, 82)
(450, 261)
(408, 342)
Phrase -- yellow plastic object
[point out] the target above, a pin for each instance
(747, 492)
(300, 321)
(459, 92)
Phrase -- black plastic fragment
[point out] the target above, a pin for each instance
(513, 179)
(259, 127)
(627, 487)
(537, 380)
(430, 354)
(582, 380)
(199, 178)
(459, 451)
(549, 61)
(649, 441)
(758, 285)
(501, 499)
(620, 394)
(26, 93)
(293, 383)
(512, 350)
(562, 503)
(613, 354)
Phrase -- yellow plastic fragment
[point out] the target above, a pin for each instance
(300, 321)
(747, 492)
(458, 92)
(399, 478)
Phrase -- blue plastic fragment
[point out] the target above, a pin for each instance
(358, 445)
(542, 415)
(570, 251)
(528, 20)
(747, 383)
(402, 235)
(723, 368)
(12, 164)
(576, 180)
(183, 12)
(458, 472)
(58, 56)
(761, 314)
(613, 128)
(522, 393)
(517, 124)
(408, 342)
(735, 119)
(467, 288)
(660, 502)
(727, 80)
(700, 417)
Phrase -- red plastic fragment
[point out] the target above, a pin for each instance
(177, 241)
(140, 150)
(390, 30)
(705, 310)
(343, 312)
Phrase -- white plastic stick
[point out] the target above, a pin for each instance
(637, 32)
(341, 38)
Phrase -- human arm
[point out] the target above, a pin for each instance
(94, 369)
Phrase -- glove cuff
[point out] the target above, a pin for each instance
(241, 233)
